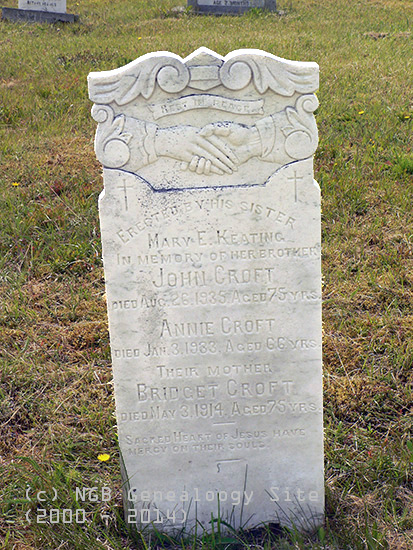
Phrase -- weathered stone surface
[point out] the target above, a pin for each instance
(57, 6)
(210, 223)
(226, 7)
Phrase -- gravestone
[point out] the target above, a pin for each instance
(210, 227)
(56, 6)
(227, 7)
(40, 11)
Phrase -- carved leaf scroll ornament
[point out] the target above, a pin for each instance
(139, 78)
(111, 142)
(269, 72)
(173, 74)
(301, 135)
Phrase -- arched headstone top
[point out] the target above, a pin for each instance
(164, 118)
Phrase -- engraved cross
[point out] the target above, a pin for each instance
(295, 178)
(125, 188)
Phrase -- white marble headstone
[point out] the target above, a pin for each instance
(57, 6)
(210, 224)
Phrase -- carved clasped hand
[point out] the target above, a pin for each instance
(241, 143)
(201, 152)
(244, 140)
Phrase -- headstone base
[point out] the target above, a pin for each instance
(36, 16)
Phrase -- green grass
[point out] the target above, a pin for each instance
(56, 404)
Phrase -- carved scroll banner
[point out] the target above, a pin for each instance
(210, 224)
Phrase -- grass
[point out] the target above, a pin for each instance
(56, 404)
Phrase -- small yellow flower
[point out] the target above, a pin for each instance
(103, 457)
(361, 112)
(406, 116)
(15, 184)
(139, 37)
